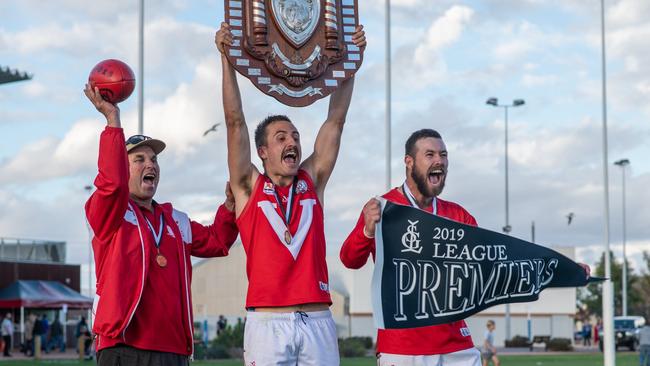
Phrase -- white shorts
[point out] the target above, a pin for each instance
(290, 339)
(466, 357)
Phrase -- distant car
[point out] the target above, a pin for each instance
(626, 330)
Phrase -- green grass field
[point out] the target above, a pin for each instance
(627, 359)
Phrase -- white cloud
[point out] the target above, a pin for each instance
(516, 40)
(54, 158)
(531, 80)
(512, 50)
(442, 32)
(628, 12)
(34, 89)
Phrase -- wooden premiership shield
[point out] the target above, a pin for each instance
(296, 51)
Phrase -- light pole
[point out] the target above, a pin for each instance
(91, 294)
(141, 69)
(609, 347)
(388, 96)
(506, 228)
(623, 163)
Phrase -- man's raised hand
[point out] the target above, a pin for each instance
(223, 38)
(359, 37)
(371, 216)
(108, 109)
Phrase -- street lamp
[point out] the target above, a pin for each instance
(507, 228)
(623, 163)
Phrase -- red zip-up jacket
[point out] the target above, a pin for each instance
(121, 241)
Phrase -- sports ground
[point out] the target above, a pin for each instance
(536, 359)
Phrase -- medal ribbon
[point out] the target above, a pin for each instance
(285, 212)
(157, 237)
(411, 198)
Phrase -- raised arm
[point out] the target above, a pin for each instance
(242, 172)
(106, 206)
(326, 147)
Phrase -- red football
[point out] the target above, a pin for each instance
(114, 79)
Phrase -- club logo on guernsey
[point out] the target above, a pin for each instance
(170, 232)
(324, 286)
(268, 188)
(301, 186)
(280, 227)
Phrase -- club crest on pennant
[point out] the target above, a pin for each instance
(296, 51)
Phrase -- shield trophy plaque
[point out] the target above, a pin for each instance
(296, 51)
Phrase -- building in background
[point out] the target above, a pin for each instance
(34, 278)
(26, 259)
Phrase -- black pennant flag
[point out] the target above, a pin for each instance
(430, 270)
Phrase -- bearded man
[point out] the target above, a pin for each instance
(426, 170)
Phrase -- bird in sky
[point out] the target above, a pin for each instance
(570, 217)
(211, 129)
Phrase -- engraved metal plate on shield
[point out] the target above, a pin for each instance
(296, 18)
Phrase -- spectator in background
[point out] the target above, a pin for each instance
(56, 336)
(597, 330)
(644, 345)
(45, 324)
(586, 334)
(222, 323)
(29, 335)
(81, 327)
(83, 331)
(489, 352)
(7, 331)
(38, 331)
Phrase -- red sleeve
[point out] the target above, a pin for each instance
(470, 220)
(215, 240)
(357, 247)
(106, 206)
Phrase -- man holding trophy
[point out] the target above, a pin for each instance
(280, 216)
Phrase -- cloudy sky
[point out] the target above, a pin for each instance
(448, 58)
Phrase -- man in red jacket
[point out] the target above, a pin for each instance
(142, 248)
(426, 171)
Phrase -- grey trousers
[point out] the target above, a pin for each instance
(644, 355)
(123, 355)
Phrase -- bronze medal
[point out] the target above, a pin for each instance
(157, 237)
(287, 237)
(161, 260)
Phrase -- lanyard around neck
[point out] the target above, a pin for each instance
(157, 236)
(285, 212)
(411, 199)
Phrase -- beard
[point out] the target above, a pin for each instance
(421, 181)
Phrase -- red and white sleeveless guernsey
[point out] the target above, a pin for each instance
(283, 268)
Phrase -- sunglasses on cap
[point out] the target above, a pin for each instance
(141, 140)
(136, 139)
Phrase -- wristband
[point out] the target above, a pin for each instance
(366, 234)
